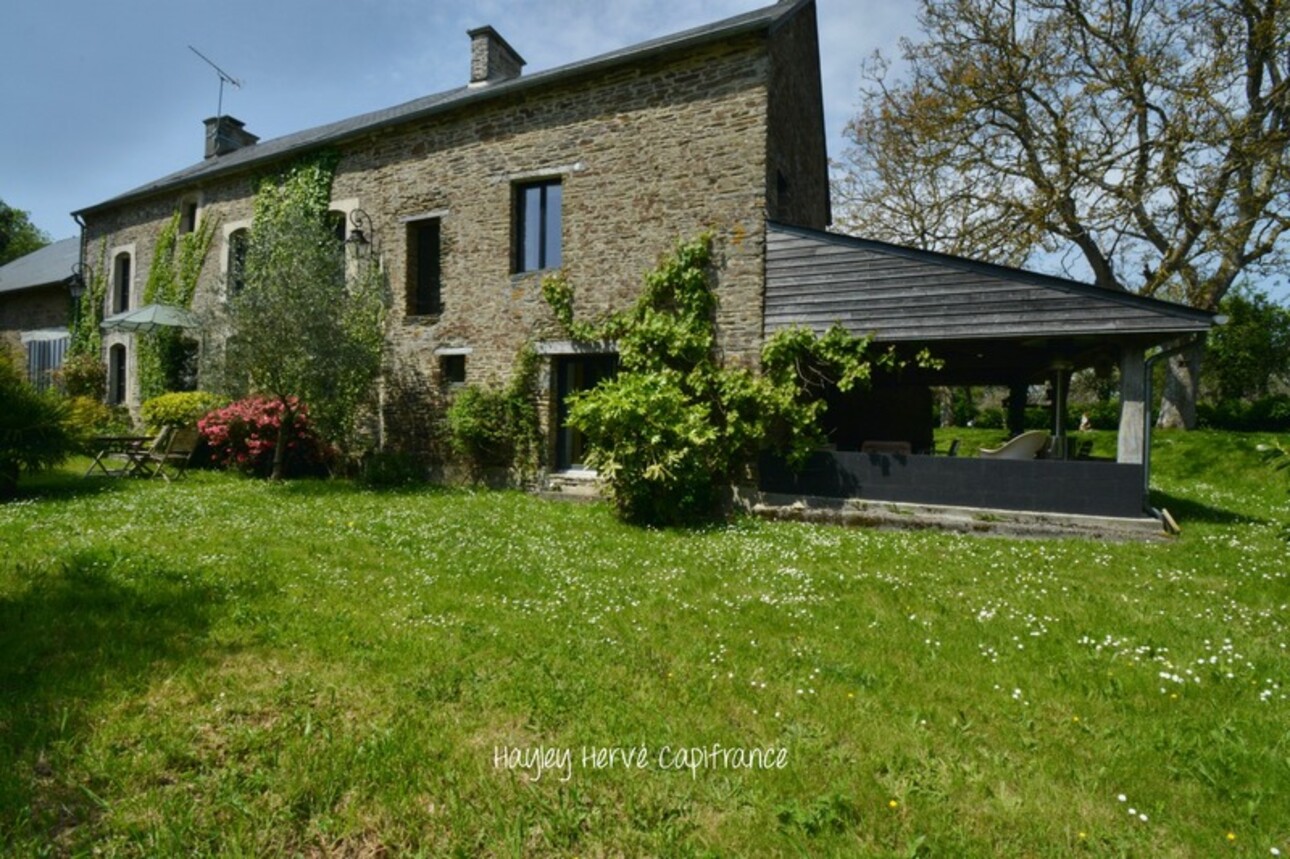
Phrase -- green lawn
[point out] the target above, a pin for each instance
(228, 667)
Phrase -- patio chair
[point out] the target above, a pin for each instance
(140, 459)
(171, 462)
(1025, 446)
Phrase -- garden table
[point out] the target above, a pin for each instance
(131, 449)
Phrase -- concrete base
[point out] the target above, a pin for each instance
(580, 485)
(966, 520)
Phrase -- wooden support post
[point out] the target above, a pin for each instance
(1133, 392)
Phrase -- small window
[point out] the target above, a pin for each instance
(121, 283)
(45, 355)
(538, 225)
(116, 375)
(336, 221)
(188, 217)
(424, 268)
(238, 241)
(452, 369)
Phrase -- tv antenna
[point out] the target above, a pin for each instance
(224, 77)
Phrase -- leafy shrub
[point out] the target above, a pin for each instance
(963, 407)
(244, 434)
(492, 428)
(34, 433)
(83, 375)
(480, 426)
(1265, 414)
(181, 409)
(990, 418)
(86, 418)
(671, 431)
(1102, 415)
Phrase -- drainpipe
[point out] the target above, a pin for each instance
(1146, 413)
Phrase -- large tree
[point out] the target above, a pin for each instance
(1244, 357)
(1142, 142)
(307, 323)
(18, 235)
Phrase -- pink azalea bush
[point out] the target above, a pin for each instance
(243, 434)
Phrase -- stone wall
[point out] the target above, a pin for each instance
(648, 153)
(29, 310)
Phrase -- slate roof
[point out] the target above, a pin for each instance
(899, 294)
(766, 18)
(51, 264)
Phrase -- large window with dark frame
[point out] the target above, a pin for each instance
(538, 225)
(424, 268)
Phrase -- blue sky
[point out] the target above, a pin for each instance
(100, 97)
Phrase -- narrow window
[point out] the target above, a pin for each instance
(452, 369)
(336, 221)
(237, 244)
(424, 268)
(188, 217)
(116, 375)
(121, 283)
(538, 225)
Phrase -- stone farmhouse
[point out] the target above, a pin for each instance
(597, 168)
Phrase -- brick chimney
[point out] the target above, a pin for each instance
(491, 58)
(224, 134)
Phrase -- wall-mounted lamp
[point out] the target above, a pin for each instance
(360, 237)
(78, 281)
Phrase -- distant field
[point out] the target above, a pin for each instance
(223, 666)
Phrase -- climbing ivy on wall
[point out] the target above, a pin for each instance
(176, 266)
(86, 335)
(677, 426)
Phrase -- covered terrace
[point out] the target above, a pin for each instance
(990, 325)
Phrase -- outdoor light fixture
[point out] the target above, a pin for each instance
(77, 281)
(358, 236)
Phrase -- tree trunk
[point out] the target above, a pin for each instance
(280, 447)
(945, 401)
(1182, 381)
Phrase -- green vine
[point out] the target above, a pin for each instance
(87, 316)
(675, 427)
(491, 427)
(172, 279)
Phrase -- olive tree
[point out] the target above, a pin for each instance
(307, 323)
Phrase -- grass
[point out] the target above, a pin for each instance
(227, 667)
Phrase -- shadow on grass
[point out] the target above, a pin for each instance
(71, 639)
(64, 484)
(1186, 510)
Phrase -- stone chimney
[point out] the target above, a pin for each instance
(491, 58)
(224, 134)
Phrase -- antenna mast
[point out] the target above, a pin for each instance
(224, 77)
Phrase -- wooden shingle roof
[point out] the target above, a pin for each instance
(816, 279)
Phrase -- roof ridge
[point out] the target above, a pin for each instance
(343, 129)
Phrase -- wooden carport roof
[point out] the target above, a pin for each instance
(816, 279)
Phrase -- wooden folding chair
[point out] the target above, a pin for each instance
(171, 462)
